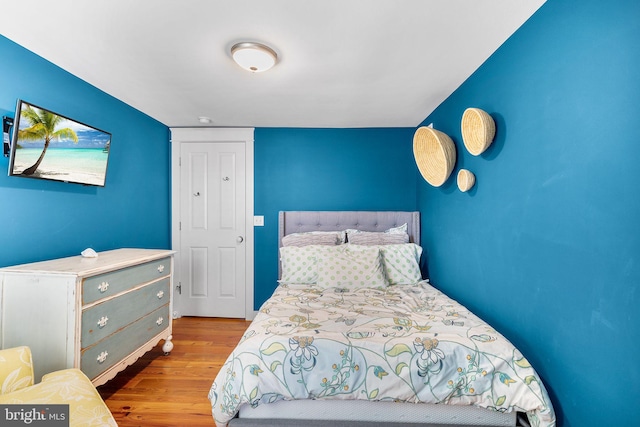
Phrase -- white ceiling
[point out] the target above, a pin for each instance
(342, 63)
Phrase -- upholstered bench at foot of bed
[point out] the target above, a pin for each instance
(68, 386)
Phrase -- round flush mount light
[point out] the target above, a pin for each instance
(204, 120)
(254, 57)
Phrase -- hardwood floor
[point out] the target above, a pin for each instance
(161, 390)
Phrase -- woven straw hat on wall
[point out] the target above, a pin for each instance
(435, 155)
(478, 130)
(466, 180)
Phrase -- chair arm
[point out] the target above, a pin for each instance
(67, 386)
(16, 369)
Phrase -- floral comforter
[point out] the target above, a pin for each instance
(406, 343)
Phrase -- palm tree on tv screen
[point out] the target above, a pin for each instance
(43, 127)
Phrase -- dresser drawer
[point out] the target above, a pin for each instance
(106, 353)
(107, 317)
(104, 285)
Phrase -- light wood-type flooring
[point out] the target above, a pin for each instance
(171, 390)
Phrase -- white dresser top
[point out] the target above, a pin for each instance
(81, 266)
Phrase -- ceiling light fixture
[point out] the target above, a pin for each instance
(254, 57)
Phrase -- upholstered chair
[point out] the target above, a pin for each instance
(67, 386)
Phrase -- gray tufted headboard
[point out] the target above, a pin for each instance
(301, 221)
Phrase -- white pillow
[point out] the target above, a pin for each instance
(401, 229)
(401, 263)
(377, 238)
(394, 235)
(351, 267)
(314, 238)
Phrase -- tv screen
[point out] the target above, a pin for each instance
(48, 145)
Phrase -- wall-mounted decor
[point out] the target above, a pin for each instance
(466, 180)
(47, 145)
(478, 130)
(435, 155)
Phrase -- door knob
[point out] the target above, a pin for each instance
(240, 239)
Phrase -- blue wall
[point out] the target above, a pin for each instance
(45, 219)
(325, 169)
(546, 246)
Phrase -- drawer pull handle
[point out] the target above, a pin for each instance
(160, 268)
(102, 357)
(159, 321)
(102, 287)
(160, 294)
(103, 322)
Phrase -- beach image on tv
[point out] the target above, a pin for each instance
(51, 146)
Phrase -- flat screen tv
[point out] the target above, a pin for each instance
(48, 145)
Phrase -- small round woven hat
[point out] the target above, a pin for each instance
(466, 180)
(478, 130)
(435, 155)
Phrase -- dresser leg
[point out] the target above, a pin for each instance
(168, 345)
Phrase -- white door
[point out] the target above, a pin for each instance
(212, 229)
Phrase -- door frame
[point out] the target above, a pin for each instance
(243, 135)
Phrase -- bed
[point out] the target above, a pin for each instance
(354, 336)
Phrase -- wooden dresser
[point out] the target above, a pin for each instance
(97, 314)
